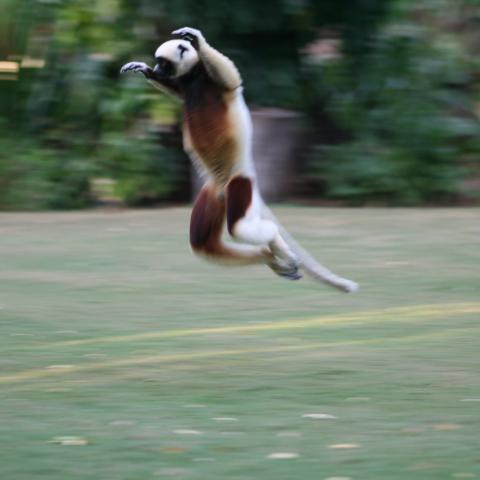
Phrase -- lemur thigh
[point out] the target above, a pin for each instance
(206, 226)
(244, 219)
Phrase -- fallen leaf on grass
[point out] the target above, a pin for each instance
(69, 441)
(319, 416)
(183, 431)
(343, 446)
(412, 430)
(446, 427)
(122, 423)
(424, 466)
(171, 472)
(283, 455)
(174, 449)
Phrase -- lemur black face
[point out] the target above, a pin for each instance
(164, 67)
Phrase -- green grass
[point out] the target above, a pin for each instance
(113, 332)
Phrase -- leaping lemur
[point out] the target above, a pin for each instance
(217, 135)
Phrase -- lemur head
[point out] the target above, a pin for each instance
(175, 58)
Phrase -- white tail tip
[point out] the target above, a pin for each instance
(348, 286)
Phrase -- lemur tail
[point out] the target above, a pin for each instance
(309, 264)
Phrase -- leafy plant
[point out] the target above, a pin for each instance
(144, 170)
(408, 118)
(35, 178)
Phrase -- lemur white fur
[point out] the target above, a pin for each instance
(217, 135)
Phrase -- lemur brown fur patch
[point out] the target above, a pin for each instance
(206, 222)
(206, 117)
(239, 198)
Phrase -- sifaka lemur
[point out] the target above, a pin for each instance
(217, 135)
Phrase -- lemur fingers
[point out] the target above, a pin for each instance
(193, 35)
(137, 67)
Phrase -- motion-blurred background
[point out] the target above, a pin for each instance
(125, 357)
(355, 102)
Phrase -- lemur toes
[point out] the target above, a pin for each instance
(285, 269)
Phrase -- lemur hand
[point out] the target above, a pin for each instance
(137, 67)
(192, 35)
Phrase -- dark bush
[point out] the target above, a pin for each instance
(408, 117)
(34, 178)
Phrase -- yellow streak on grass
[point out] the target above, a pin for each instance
(396, 313)
(154, 359)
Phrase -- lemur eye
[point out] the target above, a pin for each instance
(164, 67)
(163, 63)
(182, 50)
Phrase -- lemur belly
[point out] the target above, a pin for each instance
(212, 142)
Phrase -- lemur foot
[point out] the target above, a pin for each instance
(137, 67)
(192, 35)
(284, 269)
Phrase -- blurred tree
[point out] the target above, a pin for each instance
(75, 106)
(405, 121)
(64, 99)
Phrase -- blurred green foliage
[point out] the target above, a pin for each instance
(41, 178)
(392, 96)
(406, 119)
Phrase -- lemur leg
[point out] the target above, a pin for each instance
(245, 223)
(220, 68)
(206, 227)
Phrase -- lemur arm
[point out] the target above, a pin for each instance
(220, 68)
(166, 85)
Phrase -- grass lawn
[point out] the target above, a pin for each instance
(159, 365)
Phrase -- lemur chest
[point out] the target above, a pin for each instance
(209, 129)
